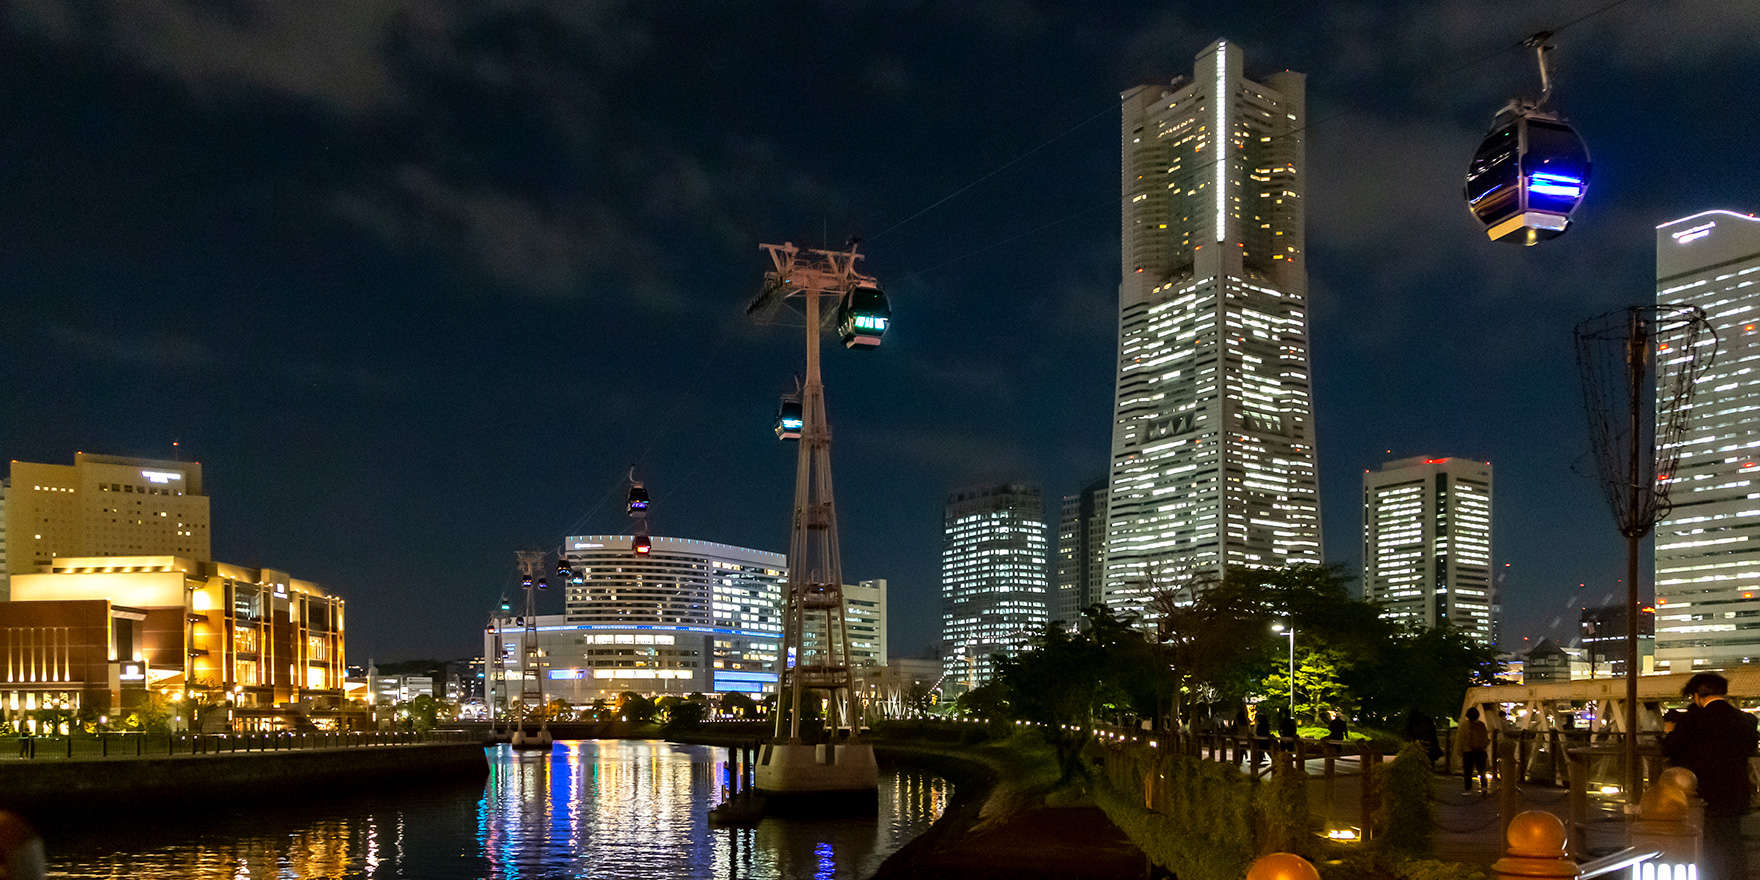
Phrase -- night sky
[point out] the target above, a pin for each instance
(417, 282)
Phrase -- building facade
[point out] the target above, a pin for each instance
(253, 648)
(865, 613)
(104, 505)
(1213, 462)
(1427, 543)
(993, 577)
(1081, 553)
(584, 663)
(732, 593)
(1602, 632)
(1708, 547)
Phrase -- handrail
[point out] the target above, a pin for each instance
(1621, 860)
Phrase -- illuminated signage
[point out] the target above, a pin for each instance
(582, 546)
(1695, 233)
(161, 476)
(133, 672)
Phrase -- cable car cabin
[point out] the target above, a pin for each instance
(562, 570)
(638, 499)
(1528, 177)
(642, 545)
(862, 317)
(788, 420)
(542, 585)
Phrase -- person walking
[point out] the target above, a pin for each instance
(1472, 740)
(1715, 740)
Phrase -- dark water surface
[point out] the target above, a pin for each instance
(600, 808)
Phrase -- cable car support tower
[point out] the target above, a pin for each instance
(531, 681)
(815, 654)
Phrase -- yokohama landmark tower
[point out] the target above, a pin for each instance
(1213, 432)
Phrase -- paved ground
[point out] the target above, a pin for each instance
(1468, 824)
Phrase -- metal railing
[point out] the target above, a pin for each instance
(142, 745)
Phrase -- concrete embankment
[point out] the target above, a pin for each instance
(998, 823)
(44, 786)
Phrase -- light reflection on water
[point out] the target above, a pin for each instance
(602, 808)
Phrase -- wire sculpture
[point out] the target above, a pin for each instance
(1627, 358)
(1639, 366)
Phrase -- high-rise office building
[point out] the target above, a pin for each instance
(1427, 543)
(1707, 552)
(1213, 462)
(732, 593)
(865, 613)
(105, 505)
(1081, 553)
(992, 577)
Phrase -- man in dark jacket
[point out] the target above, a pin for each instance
(1715, 740)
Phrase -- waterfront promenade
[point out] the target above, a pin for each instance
(41, 777)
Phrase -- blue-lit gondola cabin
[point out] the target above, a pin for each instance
(638, 499)
(863, 316)
(1528, 177)
(788, 420)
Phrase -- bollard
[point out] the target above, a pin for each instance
(1536, 848)
(1578, 801)
(1666, 824)
(1508, 784)
(1282, 866)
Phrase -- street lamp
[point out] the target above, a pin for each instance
(1291, 632)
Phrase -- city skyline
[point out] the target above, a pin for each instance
(426, 302)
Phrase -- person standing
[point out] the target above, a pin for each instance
(1715, 740)
(1474, 739)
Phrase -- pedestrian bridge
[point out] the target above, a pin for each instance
(1545, 706)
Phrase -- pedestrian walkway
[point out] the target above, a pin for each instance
(1469, 826)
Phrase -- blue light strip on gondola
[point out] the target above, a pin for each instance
(1555, 185)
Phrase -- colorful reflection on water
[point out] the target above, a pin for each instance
(601, 808)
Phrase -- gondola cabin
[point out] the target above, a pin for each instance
(1528, 177)
(788, 420)
(642, 545)
(638, 500)
(862, 317)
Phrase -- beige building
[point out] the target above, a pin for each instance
(103, 505)
(256, 648)
(865, 614)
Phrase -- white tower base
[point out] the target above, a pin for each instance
(834, 771)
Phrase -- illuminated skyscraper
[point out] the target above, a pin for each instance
(1427, 543)
(1708, 549)
(992, 577)
(1081, 553)
(1213, 436)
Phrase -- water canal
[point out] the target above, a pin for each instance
(598, 808)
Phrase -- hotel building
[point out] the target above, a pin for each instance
(993, 590)
(687, 616)
(1213, 463)
(1708, 546)
(104, 505)
(1427, 543)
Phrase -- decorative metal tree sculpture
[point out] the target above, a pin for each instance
(1639, 366)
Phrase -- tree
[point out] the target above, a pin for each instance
(1318, 687)
(739, 704)
(1055, 683)
(632, 706)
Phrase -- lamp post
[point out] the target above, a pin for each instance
(1290, 631)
